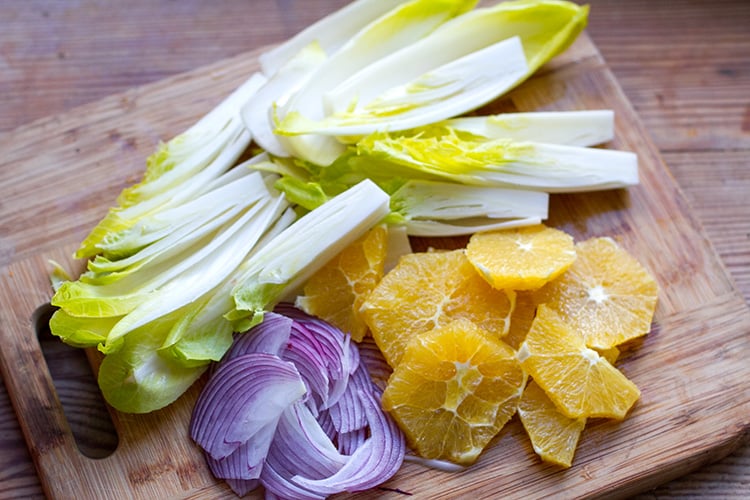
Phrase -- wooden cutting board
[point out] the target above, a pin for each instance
(59, 175)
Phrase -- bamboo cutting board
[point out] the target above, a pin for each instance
(59, 175)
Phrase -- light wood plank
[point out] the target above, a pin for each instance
(685, 65)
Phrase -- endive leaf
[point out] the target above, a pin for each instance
(441, 153)
(329, 33)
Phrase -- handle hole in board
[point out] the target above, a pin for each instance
(77, 389)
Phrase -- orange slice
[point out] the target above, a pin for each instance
(455, 388)
(606, 294)
(336, 292)
(429, 289)
(553, 435)
(522, 258)
(579, 381)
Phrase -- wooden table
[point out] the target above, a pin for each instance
(685, 66)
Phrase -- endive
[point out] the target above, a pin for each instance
(429, 208)
(259, 112)
(156, 362)
(140, 377)
(443, 91)
(294, 255)
(395, 29)
(174, 271)
(441, 153)
(390, 94)
(182, 168)
(116, 287)
(569, 128)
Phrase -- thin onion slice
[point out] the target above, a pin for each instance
(380, 456)
(301, 444)
(347, 414)
(270, 336)
(245, 462)
(226, 414)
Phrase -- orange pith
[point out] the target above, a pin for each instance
(455, 388)
(521, 319)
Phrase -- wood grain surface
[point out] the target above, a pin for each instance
(685, 66)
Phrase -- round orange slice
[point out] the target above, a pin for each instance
(455, 388)
(606, 294)
(429, 289)
(522, 258)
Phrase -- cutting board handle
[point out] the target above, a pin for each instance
(30, 386)
(155, 456)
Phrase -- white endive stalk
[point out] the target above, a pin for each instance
(448, 209)
(301, 249)
(568, 128)
(504, 163)
(211, 265)
(259, 112)
(447, 88)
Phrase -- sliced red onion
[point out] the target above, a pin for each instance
(324, 419)
(350, 355)
(348, 442)
(380, 456)
(270, 336)
(241, 399)
(326, 349)
(246, 461)
(303, 352)
(278, 485)
(347, 414)
(301, 444)
(307, 432)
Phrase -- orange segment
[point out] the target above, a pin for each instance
(336, 292)
(553, 435)
(427, 290)
(521, 319)
(579, 381)
(455, 388)
(522, 258)
(606, 294)
(610, 354)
